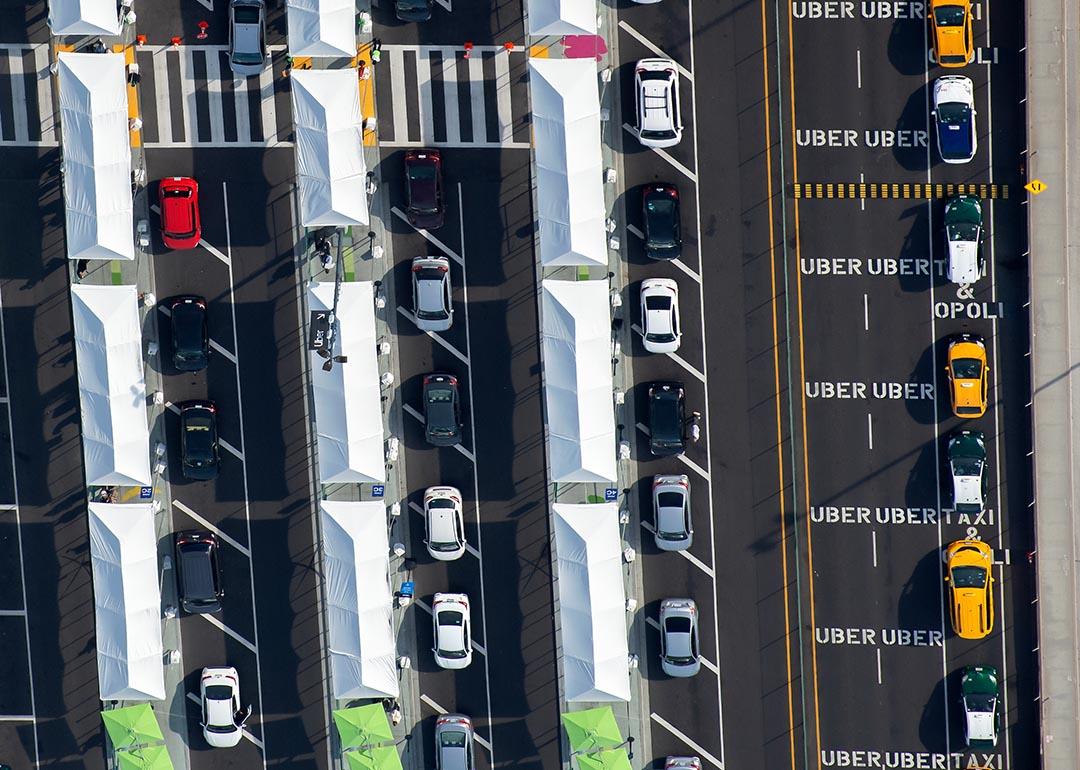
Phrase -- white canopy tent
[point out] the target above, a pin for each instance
(359, 604)
(322, 28)
(97, 156)
(127, 602)
(592, 602)
(84, 17)
(348, 398)
(578, 386)
(329, 148)
(569, 163)
(112, 391)
(563, 17)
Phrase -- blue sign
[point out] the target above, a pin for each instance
(407, 588)
(146, 493)
(611, 494)
(378, 490)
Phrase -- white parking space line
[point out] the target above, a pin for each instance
(207, 525)
(690, 463)
(195, 699)
(233, 450)
(8, 507)
(431, 238)
(685, 554)
(412, 411)
(4, 400)
(172, 407)
(222, 350)
(435, 336)
(157, 210)
(12, 613)
(677, 262)
(674, 356)
(414, 507)
(215, 622)
(16, 717)
(665, 155)
(682, 736)
(655, 49)
(440, 711)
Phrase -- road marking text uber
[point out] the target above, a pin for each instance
(870, 266)
(909, 391)
(866, 514)
(866, 9)
(887, 637)
(908, 760)
(871, 137)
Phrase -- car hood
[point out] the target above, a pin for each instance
(963, 261)
(980, 725)
(967, 490)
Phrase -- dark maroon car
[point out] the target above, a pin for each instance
(423, 189)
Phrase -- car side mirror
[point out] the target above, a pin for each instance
(947, 578)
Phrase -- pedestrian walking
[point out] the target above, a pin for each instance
(82, 267)
(376, 51)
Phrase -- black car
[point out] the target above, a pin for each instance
(199, 440)
(660, 210)
(190, 334)
(413, 10)
(198, 575)
(424, 189)
(667, 417)
(442, 410)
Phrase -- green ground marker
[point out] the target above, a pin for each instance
(594, 499)
(350, 264)
(583, 273)
(117, 279)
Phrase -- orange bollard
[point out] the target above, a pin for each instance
(175, 40)
(508, 47)
(468, 48)
(203, 26)
(140, 39)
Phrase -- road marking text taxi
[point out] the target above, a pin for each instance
(908, 391)
(887, 637)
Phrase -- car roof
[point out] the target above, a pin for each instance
(443, 527)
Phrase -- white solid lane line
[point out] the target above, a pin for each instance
(412, 411)
(655, 49)
(435, 336)
(685, 554)
(440, 711)
(195, 699)
(664, 154)
(677, 262)
(685, 739)
(207, 525)
(683, 458)
(215, 622)
(674, 356)
(431, 238)
(414, 507)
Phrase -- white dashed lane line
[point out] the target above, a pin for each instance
(683, 458)
(438, 338)
(441, 711)
(633, 230)
(429, 237)
(207, 525)
(685, 739)
(415, 414)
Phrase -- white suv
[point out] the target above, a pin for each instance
(656, 98)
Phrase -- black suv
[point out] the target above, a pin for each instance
(667, 417)
(198, 575)
(442, 410)
(660, 210)
(198, 440)
(190, 335)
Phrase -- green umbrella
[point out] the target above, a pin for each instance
(592, 729)
(362, 726)
(378, 758)
(146, 758)
(614, 759)
(131, 725)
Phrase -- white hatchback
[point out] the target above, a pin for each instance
(453, 630)
(656, 99)
(444, 533)
(222, 719)
(660, 332)
(433, 305)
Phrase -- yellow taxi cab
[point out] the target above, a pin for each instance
(968, 380)
(952, 37)
(968, 566)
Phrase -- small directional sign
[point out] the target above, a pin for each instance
(1035, 186)
(146, 493)
(611, 494)
(319, 329)
(378, 490)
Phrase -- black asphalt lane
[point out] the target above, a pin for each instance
(279, 496)
(507, 410)
(490, 23)
(48, 465)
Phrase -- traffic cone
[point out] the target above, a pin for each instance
(140, 40)
(508, 47)
(468, 48)
(175, 40)
(203, 26)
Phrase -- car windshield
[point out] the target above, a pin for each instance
(440, 396)
(246, 14)
(980, 702)
(247, 58)
(969, 577)
(953, 114)
(949, 16)
(963, 231)
(218, 692)
(967, 368)
(661, 218)
(966, 466)
(452, 739)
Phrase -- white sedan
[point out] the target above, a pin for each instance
(660, 330)
(222, 719)
(453, 630)
(954, 113)
(444, 523)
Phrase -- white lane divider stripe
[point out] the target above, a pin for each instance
(412, 411)
(230, 448)
(440, 711)
(665, 155)
(438, 338)
(221, 626)
(446, 249)
(222, 350)
(674, 356)
(683, 737)
(682, 457)
(207, 525)
(685, 554)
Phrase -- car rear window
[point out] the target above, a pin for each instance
(440, 396)
(218, 692)
(453, 738)
(678, 625)
(669, 500)
(245, 14)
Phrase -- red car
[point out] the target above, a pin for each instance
(423, 189)
(178, 197)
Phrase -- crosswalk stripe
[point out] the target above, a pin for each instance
(502, 96)
(243, 114)
(18, 97)
(187, 85)
(213, 92)
(397, 90)
(161, 98)
(269, 109)
(423, 85)
(44, 92)
(476, 94)
(450, 95)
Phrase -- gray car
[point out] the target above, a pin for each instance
(454, 743)
(672, 527)
(433, 305)
(679, 655)
(247, 37)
